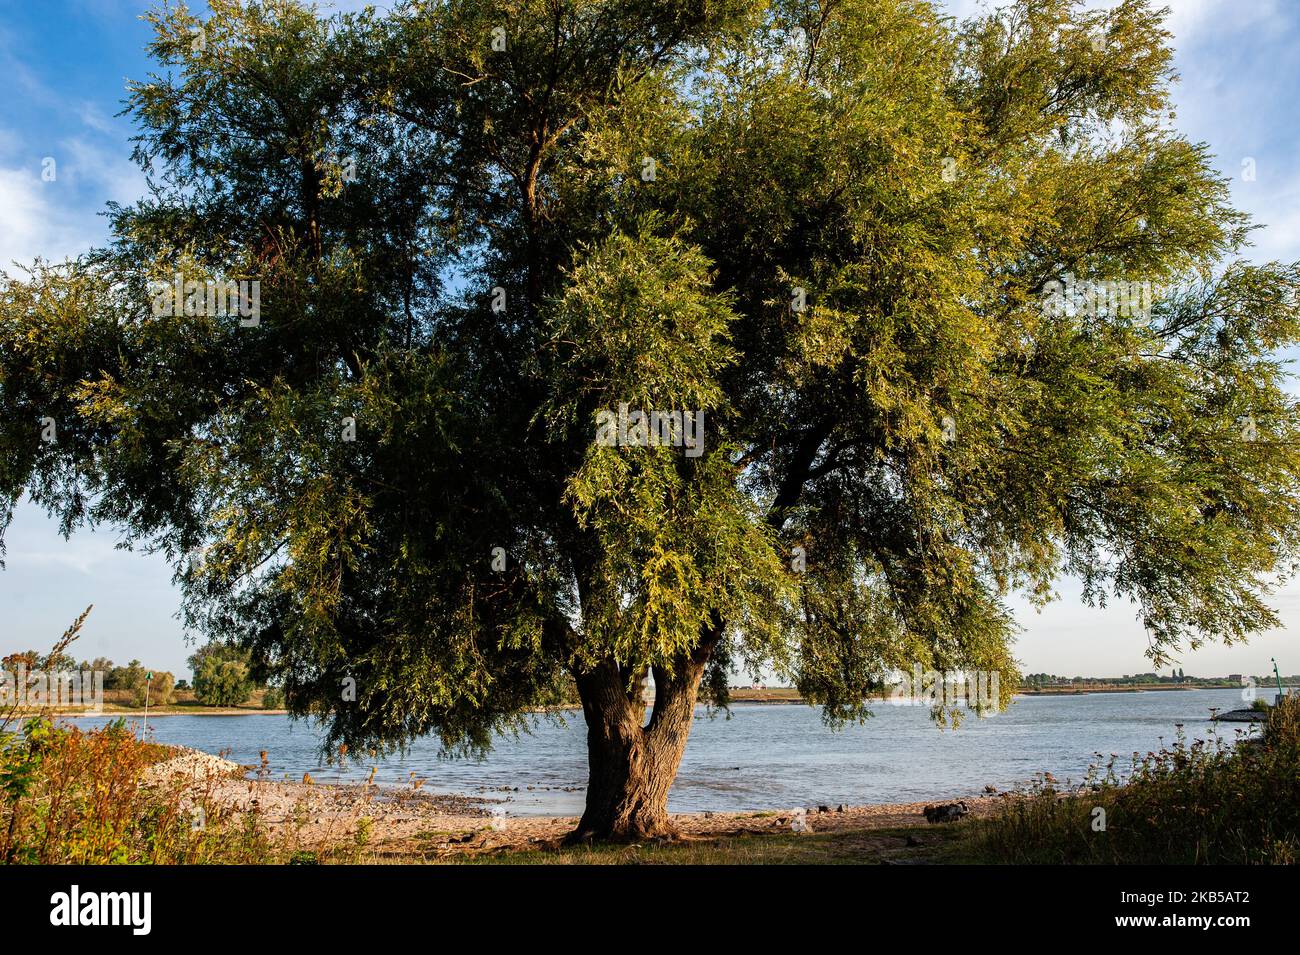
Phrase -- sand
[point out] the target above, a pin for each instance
(408, 823)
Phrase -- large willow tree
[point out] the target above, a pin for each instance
(836, 229)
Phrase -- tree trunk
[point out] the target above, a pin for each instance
(633, 762)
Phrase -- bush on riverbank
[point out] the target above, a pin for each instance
(1204, 802)
(73, 796)
(85, 797)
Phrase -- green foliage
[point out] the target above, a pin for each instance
(680, 543)
(1207, 802)
(85, 798)
(161, 690)
(125, 678)
(914, 419)
(23, 754)
(221, 675)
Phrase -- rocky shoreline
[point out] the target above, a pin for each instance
(1241, 716)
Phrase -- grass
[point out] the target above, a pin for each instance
(934, 845)
(183, 701)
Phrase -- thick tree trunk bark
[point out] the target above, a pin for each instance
(633, 762)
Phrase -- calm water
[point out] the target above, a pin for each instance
(764, 756)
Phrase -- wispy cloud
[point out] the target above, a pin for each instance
(84, 555)
(97, 119)
(1198, 21)
(103, 170)
(32, 225)
(58, 217)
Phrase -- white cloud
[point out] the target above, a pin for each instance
(82, 553)
(108, 173)
(1279, 239)
(95, 118)
(59, 218)
(32, 224)
(1211, 20)
(961, 9)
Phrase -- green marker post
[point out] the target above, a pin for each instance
(148, 682)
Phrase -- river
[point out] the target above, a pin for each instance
(764, 756)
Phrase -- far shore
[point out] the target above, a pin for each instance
(745, 695)
(110, 710)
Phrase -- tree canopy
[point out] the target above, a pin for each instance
(221, 675)
(875, 250)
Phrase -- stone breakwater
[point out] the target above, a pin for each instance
(194, 765)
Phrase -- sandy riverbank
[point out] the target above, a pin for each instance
(409, 824)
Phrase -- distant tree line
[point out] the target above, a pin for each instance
(1177, 676)
(221, 676)
(133, 677)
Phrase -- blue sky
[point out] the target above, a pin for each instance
(65, 64)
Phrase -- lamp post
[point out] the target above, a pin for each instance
(1279, 679)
